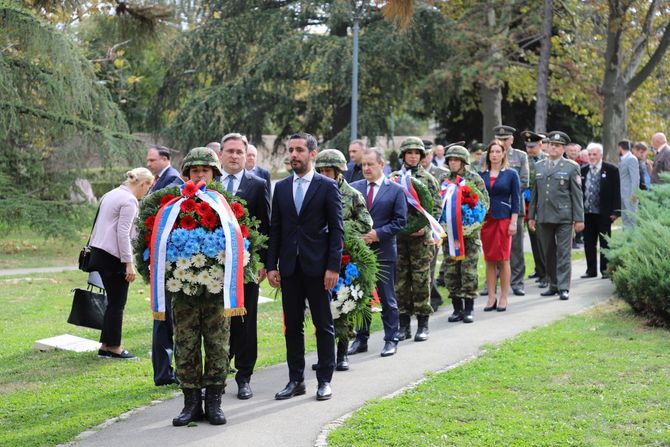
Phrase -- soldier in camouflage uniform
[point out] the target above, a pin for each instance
(461, 275)
(357, 220)
(415, 251)
(440, 173)
(533, 142)
(199, 322)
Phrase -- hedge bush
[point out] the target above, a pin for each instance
(639, 258)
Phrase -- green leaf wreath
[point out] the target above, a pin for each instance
(416, 220)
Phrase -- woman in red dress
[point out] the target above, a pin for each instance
(503, 187)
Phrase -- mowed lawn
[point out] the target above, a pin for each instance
(597, 379)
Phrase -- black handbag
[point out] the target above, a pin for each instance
(88, 308)
(85, 253)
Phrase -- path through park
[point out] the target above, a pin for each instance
(263, 421)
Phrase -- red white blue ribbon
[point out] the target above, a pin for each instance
(233, 284)
(452, 216)
(405, 180)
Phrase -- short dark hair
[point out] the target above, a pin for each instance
(625, 144)
(162, 150)
(309, 140)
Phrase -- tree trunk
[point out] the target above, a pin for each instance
(614, 121)
(542, 101)
(491, 102)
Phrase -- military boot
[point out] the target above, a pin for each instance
(405, 330)
(422, 330)
(192, 410)
(468, 314)
(342, 359)
(458, 310)
(213, 410)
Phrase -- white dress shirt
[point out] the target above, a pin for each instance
(378, 183)
(236, 181)
(306, 181)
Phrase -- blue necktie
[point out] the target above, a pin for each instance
(299, 195)
(231, 180)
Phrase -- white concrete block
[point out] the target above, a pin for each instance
(67, 342)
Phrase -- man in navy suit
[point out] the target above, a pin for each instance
(243, 330)
(162, 344)
(388, 208)
(252, 168)
(158, 162)
(306, 239)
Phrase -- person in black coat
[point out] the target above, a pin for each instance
(252, 168)
(602, 205)
(304, 256)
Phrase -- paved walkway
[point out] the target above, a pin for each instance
(263, 421)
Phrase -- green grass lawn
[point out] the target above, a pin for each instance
(597, 379)
(25, 249)
(47, 398)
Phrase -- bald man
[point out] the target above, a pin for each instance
(662, 158)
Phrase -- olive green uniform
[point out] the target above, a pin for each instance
(556, 204)
(538, 256)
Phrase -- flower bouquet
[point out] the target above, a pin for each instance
(416, 220)
(352, 293)
(193, 241)
(463, 213)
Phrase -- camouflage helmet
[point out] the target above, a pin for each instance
(201, 156)
(331, 158)
(458, 152)
(411, 143)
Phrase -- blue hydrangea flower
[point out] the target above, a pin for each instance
(246, 244)
(191, 248)
(171, 253)
(179, 237)
(338, 285)
(197, 235)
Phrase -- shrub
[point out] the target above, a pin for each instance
(639, 258)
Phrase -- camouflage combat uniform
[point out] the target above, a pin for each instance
(355, 213)
(461, 277)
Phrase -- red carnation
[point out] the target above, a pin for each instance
(188, 206)
(149, 222)
(203, 208)
(345, 260)
(190, 189)
(209, 220)
(238, 209)
(188, 223)
(147, 238)
(245, 231)
(165, 199)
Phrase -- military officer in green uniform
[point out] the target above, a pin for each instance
(556, 207)
(533, 142)
(357, 220)
(415, 250)
(200, 326)
(461, 275)
(440, 174)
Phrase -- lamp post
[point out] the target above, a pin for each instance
(354, 81)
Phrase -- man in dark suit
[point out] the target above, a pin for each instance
(252, 168)
(388, 207)
(602, 205)
(162, 344)
(306, 239)
(243, 330)
(158, 162)
(354, 170)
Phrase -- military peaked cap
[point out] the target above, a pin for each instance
(559, 137)
(503, 131)
(531, 138)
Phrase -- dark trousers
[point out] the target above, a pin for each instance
(517, 260)
(556, 240)
(162, 348)
(595, 229)
(390, 316)
(243, 335)
(538, 257)
(295, 289)
(113, 274)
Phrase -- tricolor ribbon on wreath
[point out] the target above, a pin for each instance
(405, 180)
(452, 215)
(233, 284)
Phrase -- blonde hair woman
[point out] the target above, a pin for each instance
(112, 254)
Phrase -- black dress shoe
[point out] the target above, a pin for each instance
(292, 389)
(550, 292)
(324, 392)
(533, 275)
(518, 291)
(390, 348)
(564, 295)
(490, 308)
(315, 366)
(343, 364)
(244, 391)
(484, 292)
(502, 309)
(357, 346)
(588, 275)
(542, 284)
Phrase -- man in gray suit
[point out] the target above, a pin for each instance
(556, 207)
(629, 180)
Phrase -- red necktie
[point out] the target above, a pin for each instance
(371, 193)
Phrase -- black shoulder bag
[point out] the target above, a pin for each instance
(85, 253)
